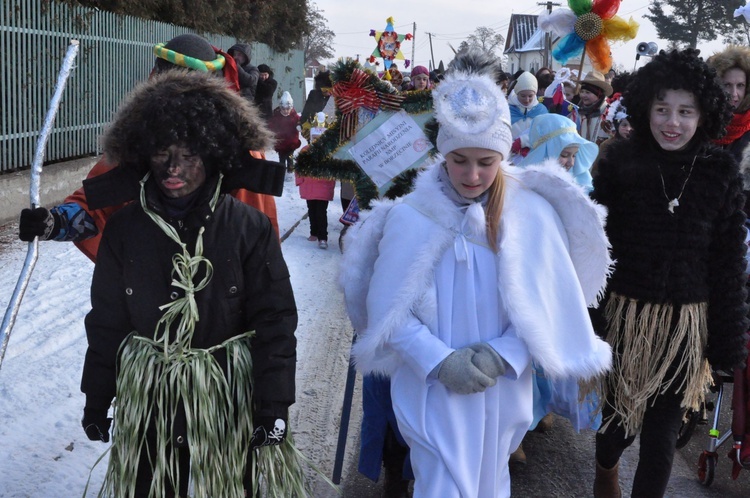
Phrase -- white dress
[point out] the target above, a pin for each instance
(420, 284)
(481, 429)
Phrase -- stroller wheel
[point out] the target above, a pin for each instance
(707, 467)
(689, 422)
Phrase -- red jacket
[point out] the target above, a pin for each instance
(285, 129)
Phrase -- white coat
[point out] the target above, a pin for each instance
(436, 286)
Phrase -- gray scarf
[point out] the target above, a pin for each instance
(452, 194)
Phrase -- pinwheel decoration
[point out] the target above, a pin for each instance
(389, 46)
(587, 28)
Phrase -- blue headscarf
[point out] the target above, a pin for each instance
(549, 135)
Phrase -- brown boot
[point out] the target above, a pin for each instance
(545, 425)
(606, 483)
(518, 456)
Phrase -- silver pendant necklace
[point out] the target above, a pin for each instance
(673, 203)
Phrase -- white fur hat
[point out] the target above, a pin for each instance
(526, 81)
(472, 112)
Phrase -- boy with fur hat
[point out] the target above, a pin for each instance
(524, 105)
(448, 305)
(195, 341)
(81, 218)
(676, 226)
(592, 105)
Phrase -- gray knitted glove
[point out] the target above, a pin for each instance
(488, 360)
(459, 374)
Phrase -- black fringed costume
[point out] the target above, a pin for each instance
(694, 255)
(676, 300)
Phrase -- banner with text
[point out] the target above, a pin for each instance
(389, 145)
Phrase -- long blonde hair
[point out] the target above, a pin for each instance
(494, 208)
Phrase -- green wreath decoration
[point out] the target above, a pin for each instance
(318, 161)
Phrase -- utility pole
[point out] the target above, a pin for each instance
(432, 55)
(413, 41)
(547, 36)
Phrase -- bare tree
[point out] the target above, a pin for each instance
(484, 38)
(316, 43)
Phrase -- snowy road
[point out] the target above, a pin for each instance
(43, 450)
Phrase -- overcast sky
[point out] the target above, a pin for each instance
(452, 21)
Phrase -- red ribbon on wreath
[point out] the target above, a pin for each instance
(350, 96)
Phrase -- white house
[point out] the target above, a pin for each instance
(524, 46)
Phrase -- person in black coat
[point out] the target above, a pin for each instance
(264, 91)
(246, 72)
(676, 302)
(193, 316)
(317, 98)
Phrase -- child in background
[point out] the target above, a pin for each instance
(318, 192)
(284, 124)
(555, 137)
(524, 104)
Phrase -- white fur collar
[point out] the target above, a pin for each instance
(562, 349)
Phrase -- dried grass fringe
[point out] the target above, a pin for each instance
(645, 346)
(157, 376)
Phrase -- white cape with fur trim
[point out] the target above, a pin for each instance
(553, 260)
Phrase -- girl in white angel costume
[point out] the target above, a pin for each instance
(454, 288)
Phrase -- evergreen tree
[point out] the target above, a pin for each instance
(280, 24)
(686, 22)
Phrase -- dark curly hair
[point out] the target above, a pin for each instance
(185, 107)
(621, 81)
(678, 70)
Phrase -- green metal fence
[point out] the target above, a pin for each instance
(115, 53)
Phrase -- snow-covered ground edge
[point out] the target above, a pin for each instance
(43, 450)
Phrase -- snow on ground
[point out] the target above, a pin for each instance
(43, 450)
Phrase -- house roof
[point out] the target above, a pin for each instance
(524, 34)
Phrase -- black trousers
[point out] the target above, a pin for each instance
(286, 160)
(317, 211)
(661, 423)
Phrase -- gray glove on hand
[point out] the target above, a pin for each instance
(488, 360)
(461, 376)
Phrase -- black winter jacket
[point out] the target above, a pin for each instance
(264, 96)
(694, 255)
(249, 290)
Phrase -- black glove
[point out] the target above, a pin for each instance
(269, 431)
(96, 424)
(38, 222)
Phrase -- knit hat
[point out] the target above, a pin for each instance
(188, 45)
(286, 100)
(420, 70)
(526, 81)
(263, 68)
(472, 112)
